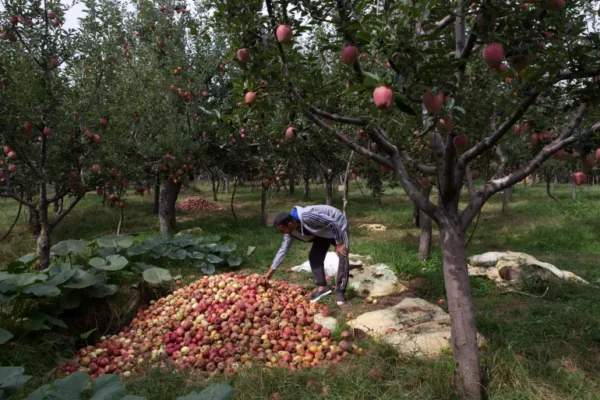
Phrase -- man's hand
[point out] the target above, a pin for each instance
(269, 274)
(341, 250)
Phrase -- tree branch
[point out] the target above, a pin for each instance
(339, 118)
(65, 211)
(440, 25)
(494, 186)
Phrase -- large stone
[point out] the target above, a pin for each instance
(511, 268)
(367, 280)
(328, 322)
(413, 326)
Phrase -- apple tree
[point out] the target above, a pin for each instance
(442, 67)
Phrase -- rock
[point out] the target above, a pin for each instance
(512, 268)
(192, 231)
(375, 281)
(413, 326)
(328, 322)
(332, 262)
(373, 227)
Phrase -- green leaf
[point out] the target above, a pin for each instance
(55, 321)
(101, 290)
(141, 267)
(220, 391)
(140, 249)
(208, 269)
(68, 388)
(107, 251)
(122, 241)
(234, 261)
(198, 255)
(81, 279)
(11, 380)
(250, 250)
(67, 247)
(52, 337)
(60, 278)
(364, 36)
(87, 334)
(111, 263)
(157, 275)
(107, 387)
(30, 258)
(405, 108)
(5, 336)
(57, 268)
(42, 290)
(211, 258)
(132, 397)
(26, 279)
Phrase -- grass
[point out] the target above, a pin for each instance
(537, 347)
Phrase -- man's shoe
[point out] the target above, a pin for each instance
(340, 299)
(320, 294)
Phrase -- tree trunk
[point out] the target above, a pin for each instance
(225, 185)
(43, 247)
(511, 192)
(263, 203)
(121, 219)
(505, 197)
(573, 190)
(33, 221)
(425, 239)
(328, 190)
(549, 188)
(346, 183)
(166, 213)
(215, 189)
(306, 188)
(416, 217)
(533, 179)
(156, 196)
(460, 306)
(292, 185)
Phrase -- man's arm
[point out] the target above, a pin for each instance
(285, 246)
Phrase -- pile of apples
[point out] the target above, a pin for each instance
(219, 324)
(198, 204)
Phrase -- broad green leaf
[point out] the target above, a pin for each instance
(141, 267)
(220, 391)
(157, 275)
(250, 250)
(87, 334)
(234, 261)
(107, 387)
(5, 336)
(122, 241)
(52, 337)
(211, 258)
(198, 255)
(11, 380)
(100, 290)
(5, 276)
(30, 258)
(26, 279)
(57, 268)
(208, 269)
(226, 248)
(42, 290)
(68, 388)
(61, 278)
(107, 251)
(132, 397)
(55, 321)
(111, 263)
(140, 249)
(67, 247)
(81, 279)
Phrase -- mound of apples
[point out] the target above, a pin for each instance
(218, 324)
(198, 204)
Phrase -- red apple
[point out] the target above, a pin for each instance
(519, 63)
(13, 20)
(534, 139)
(598, 154)
(588, 161)
(493, 54)
(12, 168)
(461, 142)
(103, 122)
(6, 149)
(11, 155)
(284, 33)
(250, 97)
(290, 133)
(433, 103)
(349, 54)
(383, 97)
(579, 178)
(559, 155)
(517, 130)
(48, 131)
(424, 182)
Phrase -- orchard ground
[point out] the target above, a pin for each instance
(538, 347)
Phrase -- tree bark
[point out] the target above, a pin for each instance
(263, 203)
(460, 306)
(292, 184)
(166, 213)
(121, 219)
(505, 197)
(156, 196)
(328, 190)
(33, 221)
(549, 188)
(214, 187)
(346, 183)
(43, 247)
(426, 234)
(306, 188)
(416, 217)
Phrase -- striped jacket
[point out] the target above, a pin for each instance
(323, 221)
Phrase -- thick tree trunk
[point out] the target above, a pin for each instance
(425, 221)
(33, 221)
(306, 188)
(156, 196)
(166, 212)
(292, 185)
(215, 189)
(43, 247)
(573, 190)
(460, 307)
(416, 217)
(328, 190)
(505, 198)
(533, 179)
(263, 203)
